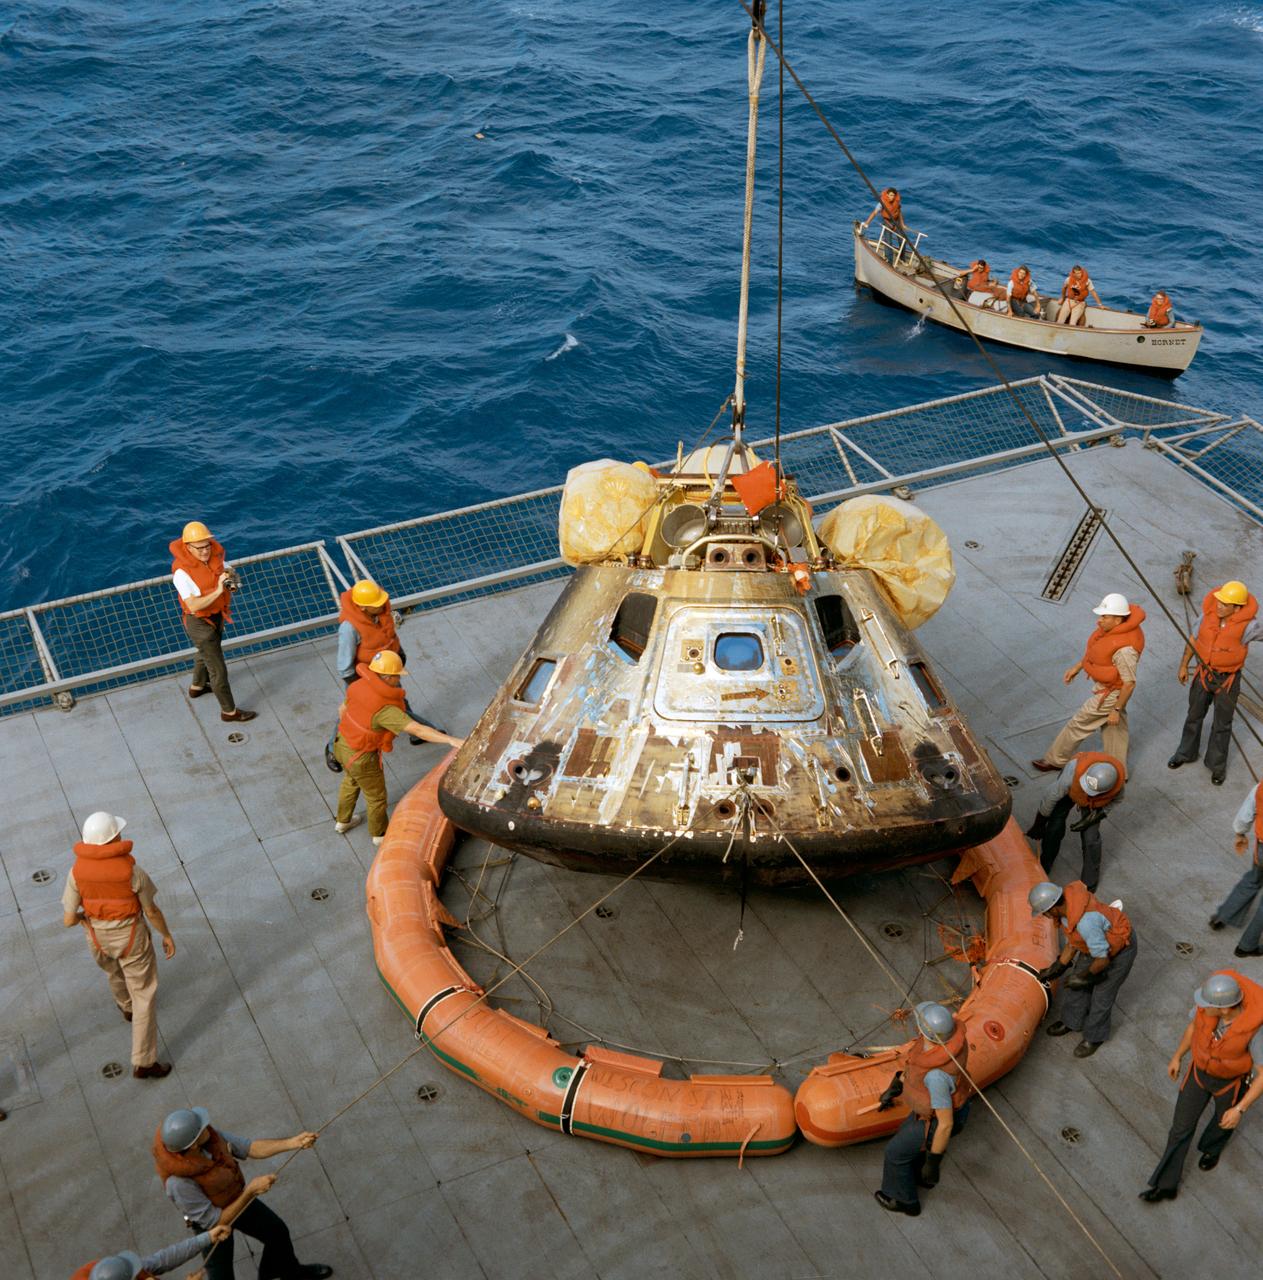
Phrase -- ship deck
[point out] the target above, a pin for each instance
(274, 1016)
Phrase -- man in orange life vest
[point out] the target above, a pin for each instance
(373, 713)
(1109, 661)
(201, 1177)
(1101, 949)
(1230, 622)
(1024, 299)
(980, 281)
(1233, 909)
(936, 1088)
(1091, 783)
(106, 893)
(205, 586)
(131, 1266)
(1159, 316)
(1226, 1040)
(890, 206)
(1074, 297)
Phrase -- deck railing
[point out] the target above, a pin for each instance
(55, 651)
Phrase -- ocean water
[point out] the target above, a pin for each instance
(260, 267)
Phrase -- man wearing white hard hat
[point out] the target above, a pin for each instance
(1109, 660)
(107, 894)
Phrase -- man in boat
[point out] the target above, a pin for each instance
(375, 710)
(1230, 621)
(1225, 1039)
(1074, 297)
(1091, 784)
(205, 585)
(979, 279)
(131, 1266)
(1024, 299)
(890, 206)
(1100, 948)
(1109, 660)
(935, 1085)
(1160, 315)
(200, 1172)
(1233, 909)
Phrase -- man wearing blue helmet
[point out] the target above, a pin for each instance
(131, 1266)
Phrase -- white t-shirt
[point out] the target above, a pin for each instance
(185, 585)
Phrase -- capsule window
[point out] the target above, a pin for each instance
(738, 651)
(841, 632)
(632, 624)
(928, 685)
(532, 688)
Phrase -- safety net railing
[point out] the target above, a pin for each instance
(95, 642)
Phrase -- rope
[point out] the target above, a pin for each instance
(780, 226)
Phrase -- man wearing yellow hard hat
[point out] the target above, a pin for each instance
(205, 585)
(366, 627)
(373, 713)
(1229, 623)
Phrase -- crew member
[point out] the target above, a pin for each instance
(980, 281)
(1074, 297)
(890, 206)
(1226, 1040)
(1100, 948)
(1229, 623)
(107, 893)
(936, 1087)
(205, 586)
(366, 628)
(1091, 784)
(1109, 661)
(1234, 908)
(373, 713)
(131, 1266)
(1159, 316)
(200, 1174)
(1024, 299)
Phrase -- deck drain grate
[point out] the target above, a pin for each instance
(320, 894)
(1070, 1135)
(605, 913)
(237, 737)
(1011, 780)
(1072, 557)
(972, 545)
(428, 1093)
(1185, 949)
(112, 1070)
(42, 876)
(893, 929)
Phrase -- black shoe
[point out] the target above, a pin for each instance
(1086, 1048)
(415, 741)
(313, 1271)
(1217, 779)
(1207, 1162)
(911, 1207)
(154, 1071)
(1153, 1194)
(1242, 951)
(1215, 923)
(1175, 762)
(1057, 1029)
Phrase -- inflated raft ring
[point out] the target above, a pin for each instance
(613, 1097)
(837, 1103)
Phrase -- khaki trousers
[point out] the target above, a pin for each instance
(133, 981)
(1087, 720)
(366, 775)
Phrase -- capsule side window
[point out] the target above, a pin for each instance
(531, 690)
(738, 651)
(841, 631)
(929, 686)
(632, 623)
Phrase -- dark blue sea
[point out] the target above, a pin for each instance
(260, 269)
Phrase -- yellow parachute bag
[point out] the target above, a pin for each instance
(605, 507)
(901, 545)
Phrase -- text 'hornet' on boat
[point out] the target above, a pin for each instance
(721, 674)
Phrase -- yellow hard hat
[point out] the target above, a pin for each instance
(387, 663)
(1232, 593)
(196, 531)
(368, 595)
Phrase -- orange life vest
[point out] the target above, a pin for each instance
(205, 577)
(365, 697)
(1082, 763)
(1079, 901)
(103, 875)
(1076, 287)
(978, 275)
(1258, 816)
(892, 209)
(1019, 288)
(218, 1174)
(1229, 1056)
(85, 1272)
(1160, 312)
(926, 1058)
(1098, 656)
(1218, 640)
(375, 634)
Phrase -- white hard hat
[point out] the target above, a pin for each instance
(1114, 605)
(102, 827)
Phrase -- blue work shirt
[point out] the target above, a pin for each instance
(348, 646)
(941, 1086)
(190, 1199)
(1092, 928)
(174, 1254)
